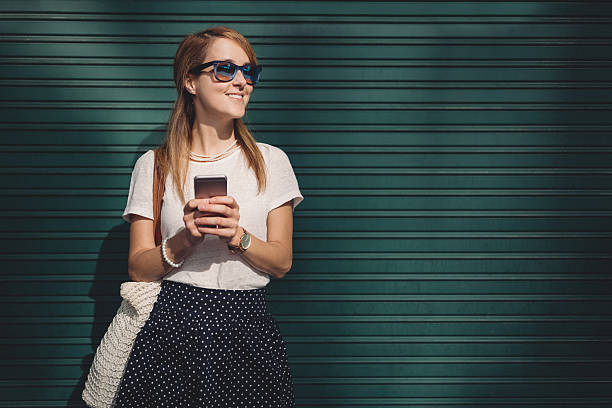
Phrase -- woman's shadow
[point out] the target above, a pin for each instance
(110, 272)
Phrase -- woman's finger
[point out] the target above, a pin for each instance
(227, 200)
(221, 232)
(221, 222)
(215, 208)
(194, 203)
(190, 206)
(217, 224)
(190, 213)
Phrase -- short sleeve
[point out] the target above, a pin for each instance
(140, 197)
(282, 183)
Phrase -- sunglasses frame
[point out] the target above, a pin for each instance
(199, 68)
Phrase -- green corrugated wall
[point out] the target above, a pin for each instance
(454, 245)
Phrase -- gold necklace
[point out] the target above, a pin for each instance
(202, 158)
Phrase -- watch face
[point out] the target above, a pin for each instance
(245, 241)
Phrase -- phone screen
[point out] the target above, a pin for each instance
(210, 186)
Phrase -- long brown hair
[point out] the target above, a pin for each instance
(174, 151)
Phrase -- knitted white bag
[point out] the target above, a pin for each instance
(111, 357)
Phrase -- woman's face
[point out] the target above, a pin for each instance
(212, 95)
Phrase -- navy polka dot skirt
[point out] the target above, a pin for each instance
(206, 347)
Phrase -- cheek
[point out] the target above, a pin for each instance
(210, 96)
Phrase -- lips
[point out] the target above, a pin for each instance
(235, 96)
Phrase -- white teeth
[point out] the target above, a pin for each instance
(235, 96)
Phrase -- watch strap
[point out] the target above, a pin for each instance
(239, 248)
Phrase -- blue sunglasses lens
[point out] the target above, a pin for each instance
(227, 70)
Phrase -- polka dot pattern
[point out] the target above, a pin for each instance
(205, 347)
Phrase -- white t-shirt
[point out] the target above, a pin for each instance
(211, 264)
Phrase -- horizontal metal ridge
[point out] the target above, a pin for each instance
(333, 171)
(564, 360)
(456, 380)
(472, 401)
(360, 255)
(574, 214)
(25, 193)
(448, 360)
(41, 126)
(502, 339)
(355, 297)
(272, 39)
(358, 8)
(314, 84)
(372, 380)
(364, 319)
(279, 17)
(323, 275)
(407, 63)
(375, 339)
(431, 276)
(383, 402)
(371, 106)
(282, 61)
(467, 192)
(331, 149)
(362, 235)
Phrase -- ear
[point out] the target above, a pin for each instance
(190, 84)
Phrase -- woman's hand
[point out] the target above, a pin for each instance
(190, 213)
(223, 214)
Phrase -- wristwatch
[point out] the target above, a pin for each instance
(245, 242)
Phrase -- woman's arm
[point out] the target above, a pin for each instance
(274, 256)
(145, 262)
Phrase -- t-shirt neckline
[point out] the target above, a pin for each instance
(232, 154)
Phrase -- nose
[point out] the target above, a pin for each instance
(239, 77)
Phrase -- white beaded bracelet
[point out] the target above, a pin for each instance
(168, 261)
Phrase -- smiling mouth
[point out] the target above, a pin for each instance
(235, 96)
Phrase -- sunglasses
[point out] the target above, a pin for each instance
(225, 71)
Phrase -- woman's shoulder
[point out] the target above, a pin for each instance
(145, 161)
(270, 152)
(146, 157)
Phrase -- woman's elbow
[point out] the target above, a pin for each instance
(132, 274)
(133, 269)
(282, 270)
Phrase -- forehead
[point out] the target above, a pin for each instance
(227, 50)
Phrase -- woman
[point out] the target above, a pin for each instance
(210, 340)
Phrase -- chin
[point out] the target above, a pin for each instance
(238, 115)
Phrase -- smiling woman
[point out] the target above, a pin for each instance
(210, 339)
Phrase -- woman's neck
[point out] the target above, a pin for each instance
(210, 140)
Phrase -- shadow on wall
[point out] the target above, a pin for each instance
(111, 272)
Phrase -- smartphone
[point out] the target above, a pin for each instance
(210, 186)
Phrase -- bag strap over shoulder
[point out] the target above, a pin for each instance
(159, 184)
